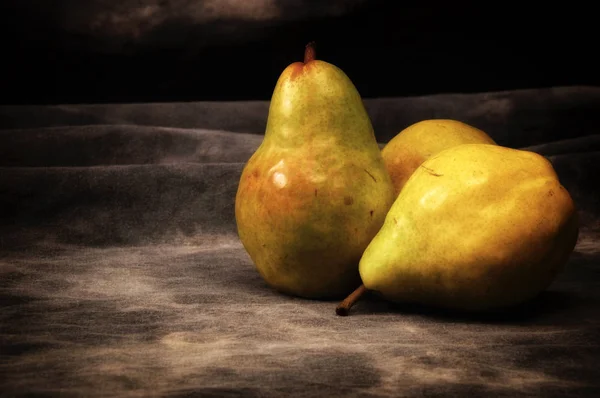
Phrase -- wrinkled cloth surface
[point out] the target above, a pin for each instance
(121, 273)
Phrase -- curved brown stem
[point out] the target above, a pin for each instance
(309, 52)
(344, 307)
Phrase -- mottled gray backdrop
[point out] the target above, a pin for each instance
(121, 274)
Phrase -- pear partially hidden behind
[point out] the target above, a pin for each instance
(316, 191)
(476, 227)
(404, 153)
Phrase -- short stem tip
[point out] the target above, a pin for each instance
(344, 307)
(309, 52)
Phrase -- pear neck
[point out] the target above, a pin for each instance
(309, 52)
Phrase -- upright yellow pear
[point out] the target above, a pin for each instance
(476, 227)
(419, 141)
(316, 191)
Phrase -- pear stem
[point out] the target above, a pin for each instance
(309, 52)
(344, 307)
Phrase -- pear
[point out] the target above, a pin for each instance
(419, 141)
(316, 191)
(477, 227)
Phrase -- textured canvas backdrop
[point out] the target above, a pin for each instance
(121, 273)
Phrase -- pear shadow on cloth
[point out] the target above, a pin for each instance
(547, 307)
(257, 285)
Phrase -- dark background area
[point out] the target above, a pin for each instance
(98, 51)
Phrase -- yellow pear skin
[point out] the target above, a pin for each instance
(419, 141)
(316, 191)
(476, 227)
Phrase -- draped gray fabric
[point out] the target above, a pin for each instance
(121, 273)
